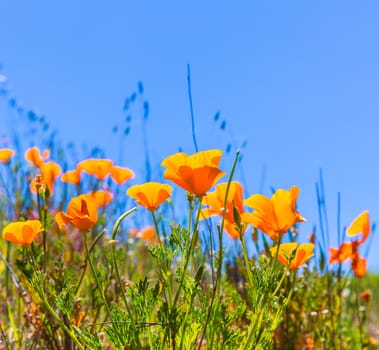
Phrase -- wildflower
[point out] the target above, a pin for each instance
(120, 174)
(345, 251)
(49, 172)
(349, 250)
(38, 185)
(71, 176)
(97, 167)
(6, 154)
(147, 234)
(293, 254)
(81, 213)
(23, 232)
(196, 173)
(274, 216)
(33, 155)
(215, 202)
(359, 265)
(150, 194)
(361, 224)
(366, 295)
(101, 197)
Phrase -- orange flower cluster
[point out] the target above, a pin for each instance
(100, 168)
(349, 250)
(196, 173)
(215, 202)
(274, 216)
(6, 154)
(293, 254)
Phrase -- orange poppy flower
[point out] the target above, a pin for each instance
(23, 232)
(71, 176)
(49, 172)
(366, 295)
(120, 174)
(274, 216)
(361, 224)
(150, 194)
(81, 213)
(359, 265)
(349, 250)
(33, 155)
(147, 234)
(101, 197)
(293, 254)
(97, 167)
(6, 154)
(215, 202)
(196, 173)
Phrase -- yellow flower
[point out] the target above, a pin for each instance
(274, 216)
(23, 232)
(150, 194)
(215, 202)
(6, 154)
(196, 173)
(293, 254)
(81, 213)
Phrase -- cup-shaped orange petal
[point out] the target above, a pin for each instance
(50, 171)
(121, 174)
(150, 194)
(215, 203)
(33, 155)
(6, 154)
(293, 254)
(71, 176)
(196, 173)
(101, 197)
(361, 224)
(274, 216)
(81, 213)
(23, 232)
(98, 167)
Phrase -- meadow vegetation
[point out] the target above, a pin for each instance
(93, 256)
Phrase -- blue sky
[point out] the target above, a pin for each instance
(298, 80)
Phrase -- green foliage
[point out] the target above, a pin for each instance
(90, 290)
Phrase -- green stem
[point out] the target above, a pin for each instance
(123, 294)
(97, 238)
(166, 273)
(195, 235)
(98, 284)
(42, 295)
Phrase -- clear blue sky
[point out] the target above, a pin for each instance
(299, 80)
